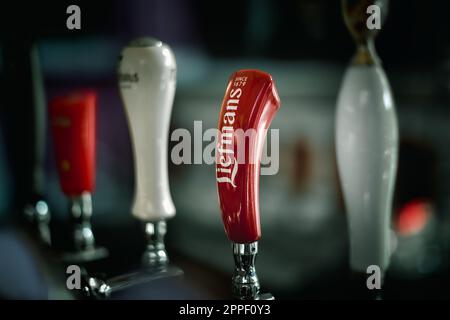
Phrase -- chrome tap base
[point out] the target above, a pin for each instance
(83, 237)
(245, 282)
(155, 255)
(97, 288)
(155, 265)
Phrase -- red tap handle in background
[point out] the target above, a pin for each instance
(251, 101)
(73, 125)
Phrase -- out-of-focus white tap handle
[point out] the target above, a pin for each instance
(147, 80)
(367, 152)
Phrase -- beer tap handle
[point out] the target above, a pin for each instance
(250, 103)
(147, 80)
(73, 127)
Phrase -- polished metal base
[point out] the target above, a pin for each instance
(155, 255)
(245, 282)
(83, 236)
(97, 288)
(155, 265)
(81, 213)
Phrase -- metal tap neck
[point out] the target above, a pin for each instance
(81, 213)
(245, 280)
(155, 255)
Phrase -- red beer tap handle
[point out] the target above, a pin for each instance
(251, 101)
(72, 120)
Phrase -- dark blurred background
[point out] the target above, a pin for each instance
(305, 46)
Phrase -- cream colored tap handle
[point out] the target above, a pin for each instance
(147, 80)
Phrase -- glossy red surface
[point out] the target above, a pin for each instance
(250, 102)
(73, 125)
